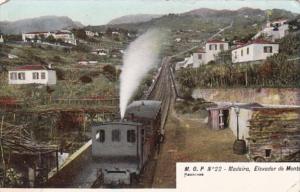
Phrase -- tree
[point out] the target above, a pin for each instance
(80, 33)
(50, 39)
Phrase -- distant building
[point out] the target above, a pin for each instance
(1, 39)
(11, 56)
(32, 74)
(254, 51)
(65, 35)
(178, 40)
(91, 33)
(101, 52)
(274, 30)
(35, 36)
(204, 56)
(213, 48)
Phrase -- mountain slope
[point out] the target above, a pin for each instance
(133, 19)
(45, 23)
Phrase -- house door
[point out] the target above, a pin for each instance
(226, 118)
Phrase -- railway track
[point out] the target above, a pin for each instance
(161, 90)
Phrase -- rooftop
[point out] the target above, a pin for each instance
(35, 32)
(201, 51)
(256, 41)
(215, 41)
(31, 67)
(144, 109)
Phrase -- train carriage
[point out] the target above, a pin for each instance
(122, 148)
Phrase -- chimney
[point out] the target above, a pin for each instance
(49, 66)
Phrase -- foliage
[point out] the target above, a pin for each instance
(80, 33)
(290, 44)
(110, 72)
(276, 71)
(50, 39)
(86, 79)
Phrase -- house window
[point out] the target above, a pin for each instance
(210, 47)
(131, 136)
(115, 135)
(200, 56)
(247, 50)
(235, 55)
(21, 76)
(43, 75)
(35, 75)
(13, 76)
(268, 49)
(222, 47)
(268, 152)
(216, 47)
(242, 52)
(100, 136)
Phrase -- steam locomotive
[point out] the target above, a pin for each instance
(122, 148)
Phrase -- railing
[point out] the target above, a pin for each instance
(75, 101)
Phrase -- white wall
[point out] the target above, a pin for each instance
(197, 61)
(256, 52)
(237, 55)
(259, 51)
(244, 117)
(211, 54)
(50, 78)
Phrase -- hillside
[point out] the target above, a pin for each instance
(133, 19)
(204, 19)
(45, 23)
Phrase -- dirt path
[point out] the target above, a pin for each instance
(190, 140)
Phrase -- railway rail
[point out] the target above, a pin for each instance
(162, 90)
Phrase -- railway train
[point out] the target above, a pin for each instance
(122, 148)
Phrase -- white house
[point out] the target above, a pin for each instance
(101, 52)
(274, 30)
(91, 33)
(254, 51)
(213, 48)
(12, 56)
(65, 35)
(32, 74)
(35, 36)
(204, 56)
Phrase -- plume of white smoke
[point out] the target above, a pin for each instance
(141, 55)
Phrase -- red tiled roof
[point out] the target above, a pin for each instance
(201, 51)
(256, 41)
(279, 20)
(215, 41)
(31, 67)
(35, 32)
(60, 32)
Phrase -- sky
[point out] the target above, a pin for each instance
(98, 12)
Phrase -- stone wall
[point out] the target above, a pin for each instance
(272, 96)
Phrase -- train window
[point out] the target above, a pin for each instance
(115, 135)
(131, 136)
(100, 136)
